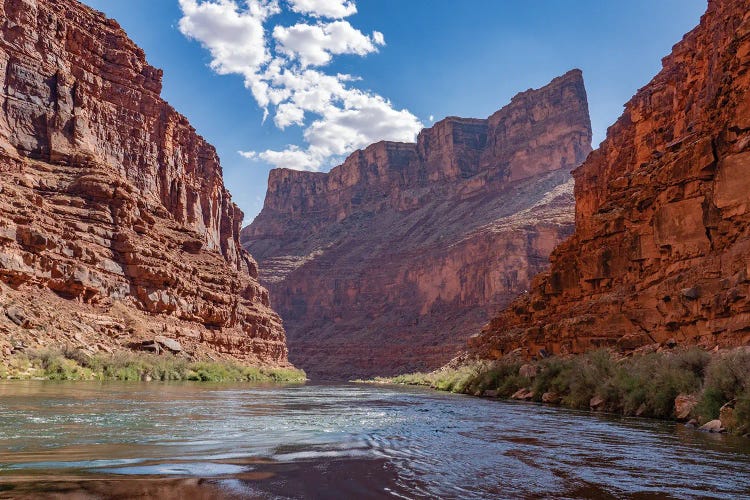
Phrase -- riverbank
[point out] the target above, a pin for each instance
(710, 389)
(133, 366)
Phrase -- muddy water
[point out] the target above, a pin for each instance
(80, 440)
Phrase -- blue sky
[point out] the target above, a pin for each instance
(413, 59)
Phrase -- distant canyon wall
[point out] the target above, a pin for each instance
(388, 263)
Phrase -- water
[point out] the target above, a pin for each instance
(112, 440)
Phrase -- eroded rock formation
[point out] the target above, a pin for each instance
(661, 252)
(114, 221)
(390, 261)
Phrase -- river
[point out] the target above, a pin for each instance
(117, 440)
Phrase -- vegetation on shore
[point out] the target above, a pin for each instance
(643, 385)
(130, 366)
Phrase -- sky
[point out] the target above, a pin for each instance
(303, 83)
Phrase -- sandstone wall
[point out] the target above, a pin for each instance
(390, 261)
(661, 248)
(110, 199)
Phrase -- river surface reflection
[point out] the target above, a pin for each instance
(112, 440)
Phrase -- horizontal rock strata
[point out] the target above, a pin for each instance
(661, 252)
(390, 261)
(115, 224)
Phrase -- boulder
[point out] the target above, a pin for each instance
(523, 395)
(690, 293)
(684, 405)
(713, 426)
(149, 346)
(18, 316)
(597, 403)
(169, 344)
(551, 398)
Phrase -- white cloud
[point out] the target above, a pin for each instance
(315, 44)
(235, 39)
(292, 157)
(337, 117)
(336, 9)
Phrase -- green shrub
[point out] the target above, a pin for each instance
(648, 384)
(74, 364)
(643, 384)
(501, 376)
(587, 377)
(727, 379)
(742, 412)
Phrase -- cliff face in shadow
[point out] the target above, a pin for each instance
(390, 261)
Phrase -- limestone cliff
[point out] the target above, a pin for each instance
(661, 251)
(390, 261)
(114, 221)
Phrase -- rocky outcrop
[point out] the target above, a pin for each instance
(661, 252)
(114, 220)
(390, 261)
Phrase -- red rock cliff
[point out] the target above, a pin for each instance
(662, 243)
(387, 263)
(114, 220)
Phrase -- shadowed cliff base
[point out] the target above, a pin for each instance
(661, 249)
(390, 261)
(708, 389)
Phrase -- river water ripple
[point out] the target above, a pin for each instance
(112, 440)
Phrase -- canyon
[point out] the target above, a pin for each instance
(389, 262)
(661, 251)
(116, 230)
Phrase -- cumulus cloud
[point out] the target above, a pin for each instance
(314, 45)
(283, 68)
(336, 9)
(235, 40)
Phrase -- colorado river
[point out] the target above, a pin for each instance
(89, 440)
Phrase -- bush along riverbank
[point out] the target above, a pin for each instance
(711, 390)
(131, 366)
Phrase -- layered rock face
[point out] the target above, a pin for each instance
(390, 261)
(661, 250)
(114, 221)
